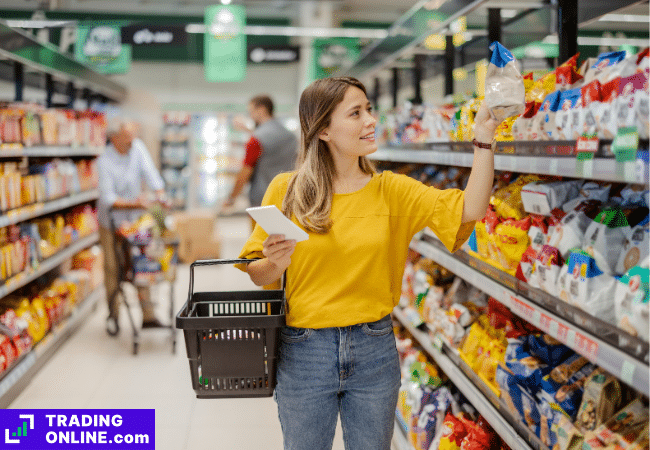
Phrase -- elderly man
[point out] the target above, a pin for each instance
(122, 167)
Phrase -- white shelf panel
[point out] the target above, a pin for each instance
(31, 211)
(14, 381)
(50, 151)
(626, 368)
(606, 169)
(467, 387)
(48, 264)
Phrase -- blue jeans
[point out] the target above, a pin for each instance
(353, 371)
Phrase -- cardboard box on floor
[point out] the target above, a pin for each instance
(197, 234)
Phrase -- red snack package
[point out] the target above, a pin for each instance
(480, 436)
(453, 432)
(567, 76)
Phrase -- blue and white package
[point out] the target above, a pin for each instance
(505, 94)
(569, 101)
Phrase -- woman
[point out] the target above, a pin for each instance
(338, 351)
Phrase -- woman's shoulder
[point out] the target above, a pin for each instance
(280, 183)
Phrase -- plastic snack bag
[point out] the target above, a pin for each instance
(589, 288)
(606, 114)
(522, 125)
(569, 234)
(586, 123)
(567, 76)
(635, 248)
(544, 120)
(542, 197)
(601, 399)
(631, 300)
(547, 268)
(602, 67)
(564, 117)
(504, 86)
(605, 237)
(632, 103)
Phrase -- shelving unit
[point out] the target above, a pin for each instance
(174, 170)
(39, 209)
(16, 378)
(53, 151)
(627, 368)
(490, 408)
(460, 154)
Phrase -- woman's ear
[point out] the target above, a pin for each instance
(324, 135)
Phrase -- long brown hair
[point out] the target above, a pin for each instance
(310, 190)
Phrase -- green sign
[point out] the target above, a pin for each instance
(332, 54)
(225, 43)
(625, 144)
(100, 46)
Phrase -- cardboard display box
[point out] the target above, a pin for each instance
(197, 233)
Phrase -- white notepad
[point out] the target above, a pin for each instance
(271, 219)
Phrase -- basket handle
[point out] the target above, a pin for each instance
(215, 262)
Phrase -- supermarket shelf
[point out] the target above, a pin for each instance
(628, 369)
(469, 389)
(48, 264)
(606, 169)
(50, 151)
(31, 211)
(16, 379)
(399, 440)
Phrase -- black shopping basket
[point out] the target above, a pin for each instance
(232, 338)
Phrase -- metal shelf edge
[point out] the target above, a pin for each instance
(21, 374)
(624, 367)
(15, 216)
(469, 390)
(50, 263)
(43, 151)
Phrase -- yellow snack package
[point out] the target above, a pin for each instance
(507, 201)
(511, 240)
(541, 88)
(504, 130)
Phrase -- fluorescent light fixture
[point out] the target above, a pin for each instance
(598, 41)
(226, 2)
(40, 23)
(301, 31)
(625, 18)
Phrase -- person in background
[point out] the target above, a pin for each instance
(337, 353)
(272, 149)
(122, 167)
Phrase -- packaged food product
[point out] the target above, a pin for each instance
(452, 434)
(567, 76)
(564, 116)
(600, 400)
(528, 371)
(626, 427)
(547, 349)
(504, 87)
(589, 288)
(605, 236)
(510, 241)
(605, 113)
(541, 197)
(543, 124)
(631, 302)
(522, 125)
(600, 69)
(587, 124)
(546, 269)
(635, 247)
(480, 436)
(526, 264)
(569, 234)
(507, 200)
(431, 417)
(632, 103)
(541, 88)
(568, 436)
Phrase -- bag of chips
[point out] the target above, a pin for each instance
(587, 124)
(589, 288)
(547, 269)
(564, 116)
(453, 432)
(605, 113)
(543, 124)
(522, 126)
(547, 349)
(604, 238)
(631, 300)
(504, 86)
(632, 103)
(602, 68)
(635, 247)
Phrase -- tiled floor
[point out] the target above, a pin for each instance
(93, 370)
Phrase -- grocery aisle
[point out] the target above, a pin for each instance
(92, 370)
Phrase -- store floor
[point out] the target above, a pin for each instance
(94, 371)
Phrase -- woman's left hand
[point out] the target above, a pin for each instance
(484, 125)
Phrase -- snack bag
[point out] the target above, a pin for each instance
(569, 233)
(453, 432)
(522, 126)
(568, 436)
(567, 76)
(431, 417)
(526, 265)
(541, 88)
(544, 121)
(601, 70)
(541, 197)
(605, 112)
(510, 391)
(631, 302)
(601, 399)
(635, 247)
(547, 349)
(511, 241)
(605, 236)
(589, 288)
(586, 123)
(507, 200)
(547, 269)
(528, 371)
(504, 87)
(564, 117)
(564, 385)
(628, 426)
(632, 103)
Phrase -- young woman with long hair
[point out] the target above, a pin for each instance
(337, 352)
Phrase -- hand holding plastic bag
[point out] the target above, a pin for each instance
(505, 93)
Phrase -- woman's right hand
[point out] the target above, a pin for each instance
(278, 250)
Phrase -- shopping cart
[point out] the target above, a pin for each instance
(132, 252)
(232, 338)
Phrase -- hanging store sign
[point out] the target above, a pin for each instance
(225, 43)
(146, 34)
(273, 54)
(100, 46)
(330, 55)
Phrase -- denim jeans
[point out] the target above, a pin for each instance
(353, 371)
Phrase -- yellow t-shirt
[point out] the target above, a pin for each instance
(353, 274)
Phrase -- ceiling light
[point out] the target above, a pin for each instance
(301, 31)
(39, 23)
(598, 41)
(226, 2)
(625, 18)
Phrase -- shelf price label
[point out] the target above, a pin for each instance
(586, 144)
(545, 322)
(586, 347)
(522, 309)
